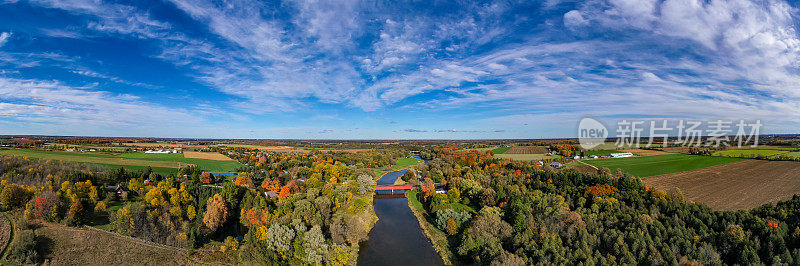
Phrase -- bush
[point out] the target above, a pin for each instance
(24, 247)
(442, 217)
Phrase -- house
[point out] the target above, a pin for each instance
(271, 194)
(555, 164)
(119, 190)
(621, 155)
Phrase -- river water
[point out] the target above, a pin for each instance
(396, 238)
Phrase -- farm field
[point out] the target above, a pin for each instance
(660, 164)
(748, 153)
(132, 161)
(206, 155)
(527, 150)
(738, 185)
(500, 150)
(525, 157)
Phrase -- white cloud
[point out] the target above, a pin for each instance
(4, 38)
(574, 18)
(54, 106)
(113, 18)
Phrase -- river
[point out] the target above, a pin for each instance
(396, 238)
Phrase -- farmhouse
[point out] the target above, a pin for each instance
(621, 155)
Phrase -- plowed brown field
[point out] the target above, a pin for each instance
(527, 150)
(739, 185)
(206, 155)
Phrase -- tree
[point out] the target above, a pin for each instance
(314, 245)
(365, 184)
(243, 180)
(279, 237)
(190, 212)
(271, 185)
(216, 212)
(14, 196)
(451, 227)
(207, 177)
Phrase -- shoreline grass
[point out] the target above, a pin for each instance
(437, 238)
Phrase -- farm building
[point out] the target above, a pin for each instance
(621, 155)
(161, 151)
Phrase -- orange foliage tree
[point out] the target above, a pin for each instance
(600, 190)
(216, 212)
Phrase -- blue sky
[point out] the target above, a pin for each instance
(391, 70)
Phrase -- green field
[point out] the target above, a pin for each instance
(660, 164)
(161, 163)
(400, 163)
(525, 157)
(500, 150)
(795, 154)
(747, 153)
(599, 152)
(205, 164)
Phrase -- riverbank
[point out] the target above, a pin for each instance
(399, 164)
(437, 237)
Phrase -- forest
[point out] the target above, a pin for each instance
(285, 208)
(520, 214)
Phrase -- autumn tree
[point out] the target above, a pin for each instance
(207, 177)
(216, 212)
(271, 185)
(365, 184)
(14, 196)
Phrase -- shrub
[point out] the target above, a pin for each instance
(23, 249)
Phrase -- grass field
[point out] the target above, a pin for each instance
(525, 157)
(73, 246)
(500, 150)
(739, 185)
(747, 153)
(660, 164)
(161, 163)
(795, 154)
(401, 163)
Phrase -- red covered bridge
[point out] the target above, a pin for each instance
(393, 188)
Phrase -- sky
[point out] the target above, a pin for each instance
(391, 69)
